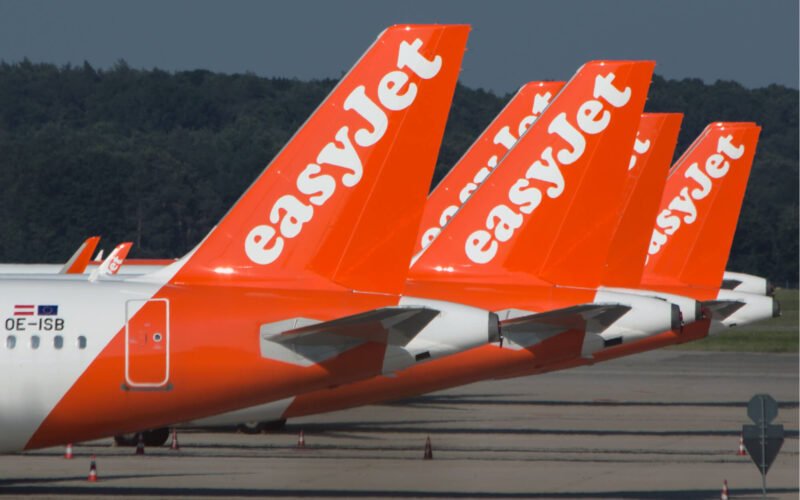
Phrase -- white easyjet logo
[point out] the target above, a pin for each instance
(639, 148)
(289, 213)
(715, 168)
(592, 118)
(113, 266)
(504, 138)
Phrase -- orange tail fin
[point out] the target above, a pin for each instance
(343, 199)
(697, 215)
(647, 174)
(113, 262)
(543, 211)
(80, 259)
(485, 153)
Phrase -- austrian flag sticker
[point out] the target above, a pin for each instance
(32, 310)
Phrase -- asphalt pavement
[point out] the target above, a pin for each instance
(663, 424)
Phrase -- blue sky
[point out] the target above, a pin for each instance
(753, 42)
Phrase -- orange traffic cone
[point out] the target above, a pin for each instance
(724, 495)
(428, 450)
(140, 445)
(741, 451)
(301, 440)
(174, 444)
(92, 472)
(68, 451)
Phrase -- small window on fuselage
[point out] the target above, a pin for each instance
(34, 341)
(81, 342)
(11, 341)
(58, 341)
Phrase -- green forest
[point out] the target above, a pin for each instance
(157, 158)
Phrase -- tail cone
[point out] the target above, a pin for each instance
(92, 472)
(174, 445)
(428, 450)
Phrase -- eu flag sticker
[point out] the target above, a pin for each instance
(48, 310)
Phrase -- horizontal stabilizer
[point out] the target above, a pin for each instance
(721, 309)
(306, 341)
(730, 284)
(590, 318)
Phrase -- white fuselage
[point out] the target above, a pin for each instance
(35, 372)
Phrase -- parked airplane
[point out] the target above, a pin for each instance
(296, 289)
(600, 321)
(704, 192)
(697, 217)
(628, 246)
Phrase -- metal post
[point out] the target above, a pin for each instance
(763, 450)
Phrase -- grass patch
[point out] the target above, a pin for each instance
(774, 335)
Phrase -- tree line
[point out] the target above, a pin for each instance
(157, 157)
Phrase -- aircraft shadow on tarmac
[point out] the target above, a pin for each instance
(490, 400)
(6, 485)
(418, 427)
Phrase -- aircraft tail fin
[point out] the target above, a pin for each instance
(485, 153)
(113, 262)
(549, 208)
(341, 202)
(647, 173)
(700, 206)
(80, 259)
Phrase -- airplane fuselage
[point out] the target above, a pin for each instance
(128, 355)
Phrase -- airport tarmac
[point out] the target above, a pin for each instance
(663, 424)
